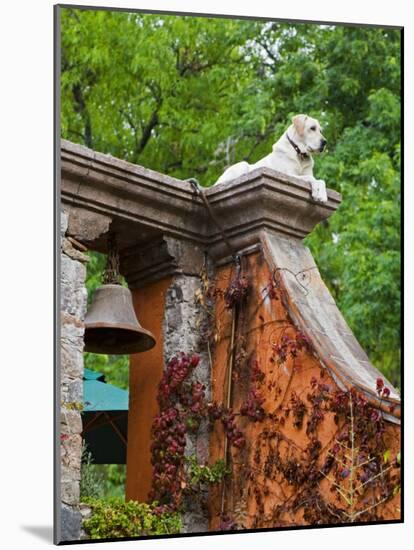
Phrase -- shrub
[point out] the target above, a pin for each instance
(91, 482)
(115, 518)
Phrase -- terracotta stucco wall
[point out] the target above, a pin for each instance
(257, 495)
(145, 373)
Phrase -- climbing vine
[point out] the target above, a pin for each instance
(347, 479)
(182, 407)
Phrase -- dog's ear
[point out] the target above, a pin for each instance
(299, 123)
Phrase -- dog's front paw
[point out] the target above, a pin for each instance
(319, 191)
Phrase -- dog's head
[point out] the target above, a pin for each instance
(308, 133)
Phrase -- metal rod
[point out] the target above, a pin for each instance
(229, 384)
(224, 234)
(115, 427)
(228, 401)
(92, 421)
(94, 424)
(237, 261)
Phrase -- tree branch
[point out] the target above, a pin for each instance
(81, 109)
(146, 132)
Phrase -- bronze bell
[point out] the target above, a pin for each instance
(111, 326)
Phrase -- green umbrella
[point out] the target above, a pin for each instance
(105, 419)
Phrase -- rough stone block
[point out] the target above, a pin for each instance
(73, 293)
(69, 474)
(71, 360)
(70, 492)
(182, 316)
(63, 222)
(70, 453)
(71, 422)
(72, 331)
(195, 519)
(75, 391)
(71, 521)
(85, 510)
(64, 393)
(69, 250)
(87, 226)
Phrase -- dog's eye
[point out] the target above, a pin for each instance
(313, 128)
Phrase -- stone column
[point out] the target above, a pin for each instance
(182, 320)
(73, 307)
(164, 280)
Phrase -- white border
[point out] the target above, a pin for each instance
(26, 283)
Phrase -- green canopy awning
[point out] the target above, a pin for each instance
(105, 419)
(100, 396)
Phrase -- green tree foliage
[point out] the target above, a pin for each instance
(188, 96)
(101, 481)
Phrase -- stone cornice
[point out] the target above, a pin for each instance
(121, 190)
(157, 205)
(265, 199)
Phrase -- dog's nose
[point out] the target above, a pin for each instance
(323, 143)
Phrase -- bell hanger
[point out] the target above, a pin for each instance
(111, 325)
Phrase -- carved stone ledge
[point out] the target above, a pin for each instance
(126, 192)
(102, 193)
(264, 199)
(158, 259)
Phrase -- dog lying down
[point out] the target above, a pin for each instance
(291, 155)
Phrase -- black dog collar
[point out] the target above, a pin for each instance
(302, 156)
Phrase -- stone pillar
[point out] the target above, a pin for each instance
(164, 281)
(182, 320)
(73, 307)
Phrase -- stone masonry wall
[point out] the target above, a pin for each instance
(73, 309)
(182, 320)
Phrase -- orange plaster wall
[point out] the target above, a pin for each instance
(251, 498)
(145, 373)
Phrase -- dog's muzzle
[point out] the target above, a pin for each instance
(323, 144)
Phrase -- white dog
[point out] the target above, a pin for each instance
(291, 155)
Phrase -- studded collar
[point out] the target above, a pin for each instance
(302, 156)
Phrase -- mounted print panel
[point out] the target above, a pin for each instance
(229, 275)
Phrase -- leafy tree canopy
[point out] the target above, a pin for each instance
(188, 96)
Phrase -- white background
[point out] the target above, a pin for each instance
(26, 276)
